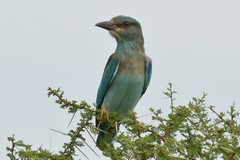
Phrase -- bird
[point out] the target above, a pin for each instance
(126, 75)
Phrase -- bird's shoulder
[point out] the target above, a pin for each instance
(148, 59)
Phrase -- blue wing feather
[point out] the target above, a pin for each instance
(109, 74)
(148, 73)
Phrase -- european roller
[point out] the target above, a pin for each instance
(126, 76)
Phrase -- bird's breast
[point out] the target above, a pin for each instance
(127, 87)
(132, 64)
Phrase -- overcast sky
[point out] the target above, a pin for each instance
(194, 44)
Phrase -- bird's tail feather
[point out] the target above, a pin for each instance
(106, 134)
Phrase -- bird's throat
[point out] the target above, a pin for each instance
(129, 47)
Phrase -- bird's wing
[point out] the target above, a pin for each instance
(148, 73)
(109, 74)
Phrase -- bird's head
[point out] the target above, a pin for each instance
(123, 28)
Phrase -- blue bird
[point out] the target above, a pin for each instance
(126, 76)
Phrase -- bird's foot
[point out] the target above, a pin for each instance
(104, 114)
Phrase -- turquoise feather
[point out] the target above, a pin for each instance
(126, 76)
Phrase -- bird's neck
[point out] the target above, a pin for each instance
(130, 47)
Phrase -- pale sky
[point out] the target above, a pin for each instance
(194, 44)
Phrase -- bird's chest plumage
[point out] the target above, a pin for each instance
(127, 87)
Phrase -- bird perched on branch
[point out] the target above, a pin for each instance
(126, 76)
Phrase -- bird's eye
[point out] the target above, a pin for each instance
(126, 24)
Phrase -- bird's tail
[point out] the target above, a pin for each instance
(106, 134)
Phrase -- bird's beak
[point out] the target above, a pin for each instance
(106, 25)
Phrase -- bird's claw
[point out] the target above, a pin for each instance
(103, 113)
